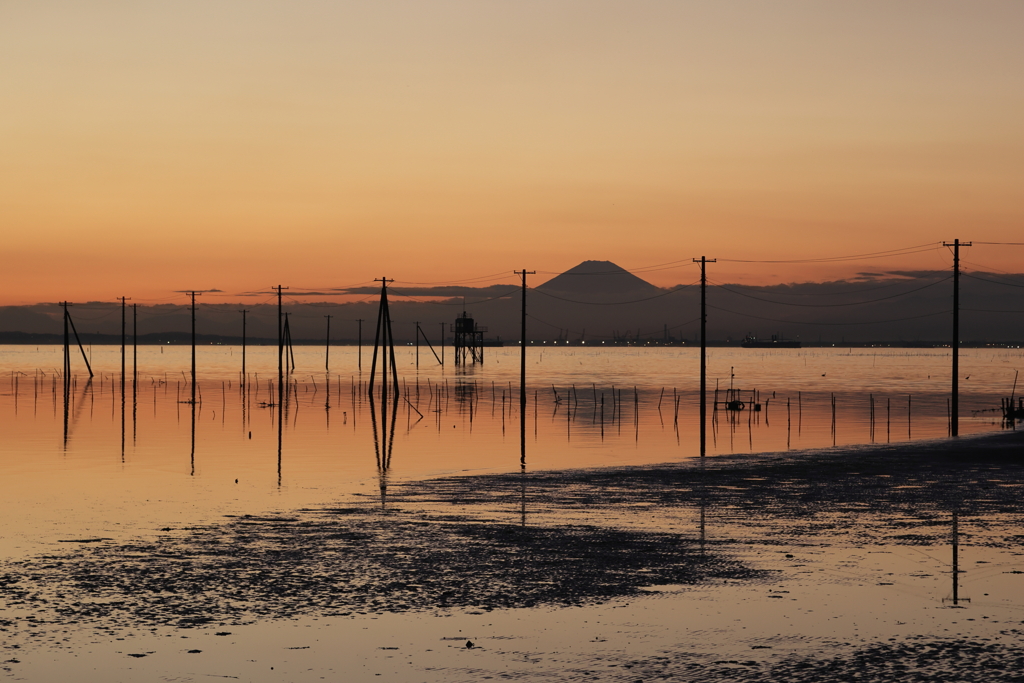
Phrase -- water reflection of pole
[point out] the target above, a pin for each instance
(956, 559)
(703, 508)
(910, 405)
(280, 433)
(192, 445)
(135, 370)
(383, 441)
(522, 492)
(789, 424)
(703, 352)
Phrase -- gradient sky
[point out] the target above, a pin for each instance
(149, 147)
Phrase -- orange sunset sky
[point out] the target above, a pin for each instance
(149, 147)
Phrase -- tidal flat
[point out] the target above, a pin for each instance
(883, 562)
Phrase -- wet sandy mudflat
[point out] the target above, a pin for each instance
(829, 565)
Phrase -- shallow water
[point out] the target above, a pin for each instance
(140, 483)
(124, 463)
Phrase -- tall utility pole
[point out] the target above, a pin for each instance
(123, 339)
(954, 414)
(417, 324)
(442, 345)
(327, 347)
(67, 345)
(522, 374)
(703, 353)
(359, 344)
(135, 344)
(193, 297)
(384, 342)
(243, 312)
(280, 346)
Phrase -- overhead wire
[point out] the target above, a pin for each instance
(829, 324)
(616, 303)
(855, 257)
(605, 336)
(849, 303)
(994, 282)
(895, 283)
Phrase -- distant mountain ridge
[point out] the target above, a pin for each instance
(599, 280)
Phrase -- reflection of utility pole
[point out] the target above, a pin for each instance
(703, 352)
(956, 559)
(954, 415)
(522, 373)
(956, 562)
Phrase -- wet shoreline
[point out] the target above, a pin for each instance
(479, 544)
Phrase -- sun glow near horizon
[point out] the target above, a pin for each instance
(237, 145)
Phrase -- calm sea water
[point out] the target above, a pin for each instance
(118, 463)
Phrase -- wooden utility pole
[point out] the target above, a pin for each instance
(135, 344)
(954, 414)
(442, 344)
(417, 344)
(68, 321)
(243, 312)
(67, 345)
(327, 347)
(193, 295)
(703, 353)
(123, 339)
(522, 373)
(280, 346)
(384, 344)
(359, 343)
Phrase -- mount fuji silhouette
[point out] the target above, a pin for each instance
(595, 281)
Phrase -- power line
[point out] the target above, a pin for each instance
(851, 303)
(992, 282)
(617, 303)
(841, 293)
(799, 322)
(608, 336)
(906, 251)
(482, 301)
